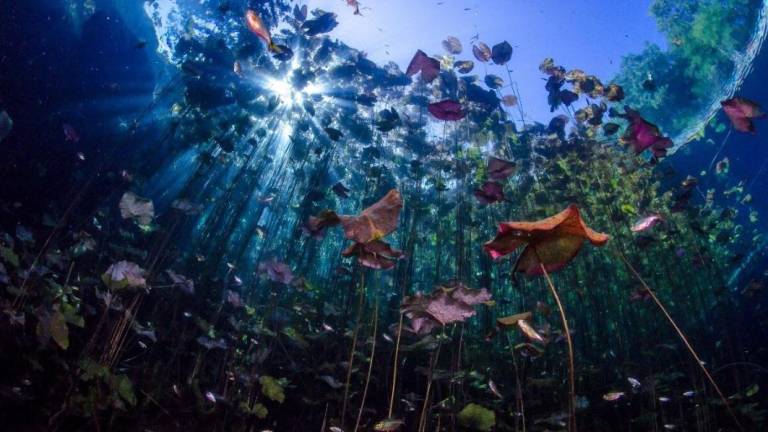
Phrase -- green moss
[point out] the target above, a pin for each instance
(271, 388)
(477, 417)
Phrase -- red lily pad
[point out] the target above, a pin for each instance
(376, 221)
(742, 111)
(316, 225)
(425, 64)
(500, 169)
(449, 110)
(482, 52)
(642, 135)
(445, 305)
(490, 192)
(553, 241)
(376, 254)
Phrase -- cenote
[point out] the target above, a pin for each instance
(369, 215)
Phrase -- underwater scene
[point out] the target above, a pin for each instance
(383, 215)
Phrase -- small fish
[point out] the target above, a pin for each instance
(689, 393)
(495, 390)
(670, 426)
(210, 396)
(327, 328)
(388, 424)
(530, 332)
(664, 399)
(335, 429)
(634, 382)
(81, 156)
(613, 396)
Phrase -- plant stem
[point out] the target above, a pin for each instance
(370, 364)
(354, 345)
(394, 368)
(684, 339)
(571, 367)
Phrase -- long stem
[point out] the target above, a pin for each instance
(571, 367)
(684, 339)
(370, 364)
(432, 364)
(394, 367)
(354, 345)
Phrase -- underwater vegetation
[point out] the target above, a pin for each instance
(309, 240)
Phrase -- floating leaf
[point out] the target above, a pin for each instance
(429, 67)
(742, 112)
(501, 53)
(449, 110)
(481, 52)
(452, 45)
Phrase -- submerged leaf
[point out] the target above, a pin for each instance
(482, 52)
(375, 222)
(490, 192)
(124, 274)
(553, 241)
(452, 45)
(500, 169)
(135, 207)
(272, 389)
(742, 112)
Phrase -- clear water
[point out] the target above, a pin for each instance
(246, 215)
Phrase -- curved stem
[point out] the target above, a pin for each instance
(684, 339)
(571, 367)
